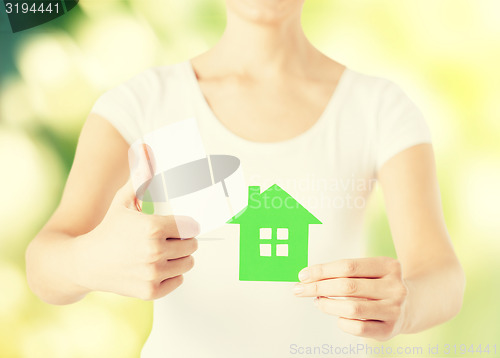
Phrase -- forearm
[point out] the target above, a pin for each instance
(435, 294)
(50, 268)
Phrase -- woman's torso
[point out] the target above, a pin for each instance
(328, 169)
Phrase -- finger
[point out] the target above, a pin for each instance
(141, 163)
(178, 267)
(172, 226)
(372, 329)
(370, 267)
(354, 309)
(375, 289)
(142, 166)
(164, 287)
(175, 248)
(125, 196)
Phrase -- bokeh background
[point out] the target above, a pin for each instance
(444, 53)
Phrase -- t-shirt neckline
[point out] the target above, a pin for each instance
(328, 110)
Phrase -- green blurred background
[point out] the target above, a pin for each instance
(444, 53)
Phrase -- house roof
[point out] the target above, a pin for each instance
(274, 205)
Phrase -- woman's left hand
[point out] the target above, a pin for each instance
(375, 292)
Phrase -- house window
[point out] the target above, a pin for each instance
(266, 233)
(282, 234)
(282, 250)
(265, 249)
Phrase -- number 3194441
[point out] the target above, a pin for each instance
(24, 8)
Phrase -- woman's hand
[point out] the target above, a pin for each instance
(374, 292)
(134, 254)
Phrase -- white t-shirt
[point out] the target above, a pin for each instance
(330, 169)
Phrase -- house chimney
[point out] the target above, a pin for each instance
(253, 195)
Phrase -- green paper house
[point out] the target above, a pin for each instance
(274, 230)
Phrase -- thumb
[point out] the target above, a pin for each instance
(126, 196)
(142, 169)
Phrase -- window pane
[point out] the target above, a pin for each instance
(265, 249)
(266, 233)
(282, 234)
(282, 250)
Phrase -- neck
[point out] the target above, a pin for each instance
(263, 49)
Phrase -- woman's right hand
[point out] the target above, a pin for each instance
(135, 254)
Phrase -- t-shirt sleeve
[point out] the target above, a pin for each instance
(124, 105)
(400, 124)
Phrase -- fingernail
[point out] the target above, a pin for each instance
(298, 289)
(187, 227)
(303, 275)
(196, 228)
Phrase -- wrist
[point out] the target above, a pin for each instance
(407, 312)
(78, 267)
(50, 269)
